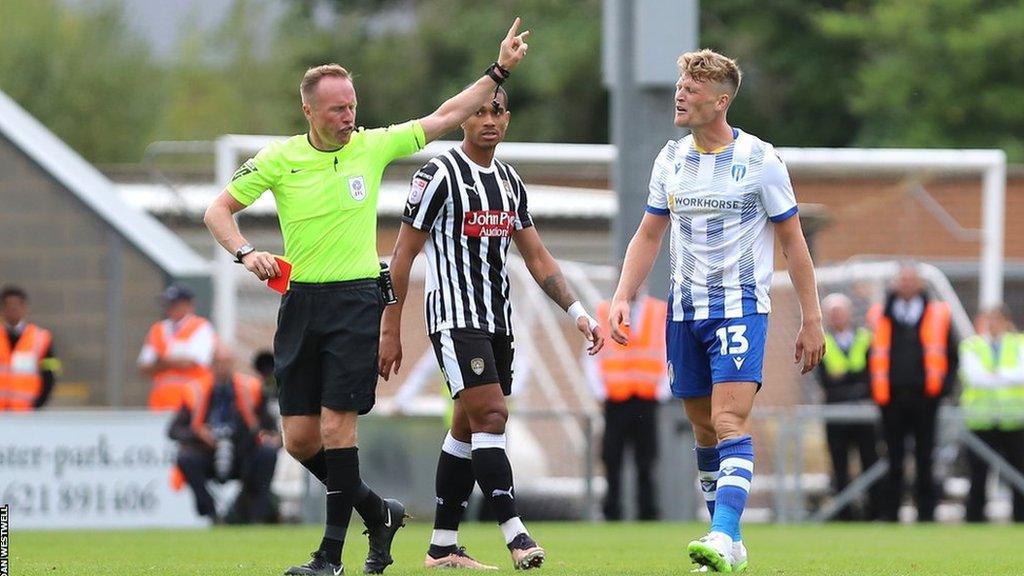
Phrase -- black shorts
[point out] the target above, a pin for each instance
(470, 357)
(325, 348)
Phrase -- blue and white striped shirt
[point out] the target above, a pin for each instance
(722, 246)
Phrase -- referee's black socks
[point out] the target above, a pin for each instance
(342, 479)
(494, 474)
(317, 465)
(346, 490)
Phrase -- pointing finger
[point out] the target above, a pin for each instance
(514, 29)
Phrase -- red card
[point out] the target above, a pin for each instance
(280, 284)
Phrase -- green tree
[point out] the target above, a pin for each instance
(83, 74)
(406, 64)
(943, 73)
(796, 77)
(230, 80)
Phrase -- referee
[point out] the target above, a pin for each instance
(325, 184)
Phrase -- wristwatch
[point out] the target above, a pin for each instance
(242, 251)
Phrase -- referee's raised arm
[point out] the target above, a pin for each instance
(456, 109)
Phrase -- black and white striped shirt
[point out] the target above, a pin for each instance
(471, 213)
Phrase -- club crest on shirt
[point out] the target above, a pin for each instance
(507, 186)
(357, 188)
(477, 366)
(739, 171)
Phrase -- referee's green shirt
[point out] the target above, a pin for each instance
(327, 201)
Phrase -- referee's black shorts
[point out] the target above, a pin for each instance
(470, 357)
(325, 348)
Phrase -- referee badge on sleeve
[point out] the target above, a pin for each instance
(477, 366)
(357, 188)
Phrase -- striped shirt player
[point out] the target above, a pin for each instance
(465, 207)
(471, 213)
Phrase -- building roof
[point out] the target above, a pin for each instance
(191, 200)
(99, 194)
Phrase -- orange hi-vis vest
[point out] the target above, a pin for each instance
(934, 339)
(20, 380)
(638, 369)
(248, 394)
(167, 391)
(196, 396)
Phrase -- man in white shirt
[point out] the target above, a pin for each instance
(913, 364)
(178, 350)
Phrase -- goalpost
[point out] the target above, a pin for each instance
(989, 164)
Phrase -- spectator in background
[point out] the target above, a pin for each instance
(28, 367)
(843, 375)
(178, 350)
(263, 364)
(224, 432)
(992, 375)
(913, 362)
(632, 381)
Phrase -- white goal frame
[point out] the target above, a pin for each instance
(989, 164)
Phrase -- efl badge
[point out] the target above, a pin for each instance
(477, 366)
(416, 192)
(739, 171)
(357, 188)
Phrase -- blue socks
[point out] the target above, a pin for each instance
(707, 474)
(735, 473)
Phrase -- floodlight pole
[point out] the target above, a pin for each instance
(642, 40)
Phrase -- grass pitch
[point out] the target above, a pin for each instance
(573, 548)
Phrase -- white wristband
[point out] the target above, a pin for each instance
(577, 311)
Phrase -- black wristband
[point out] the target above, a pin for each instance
(497, 73)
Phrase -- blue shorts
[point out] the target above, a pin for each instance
(702, 353)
